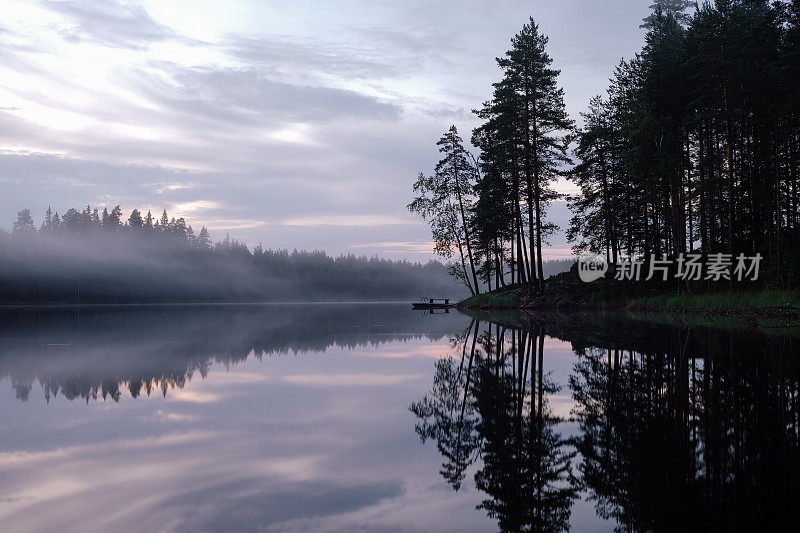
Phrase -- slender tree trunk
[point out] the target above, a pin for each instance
(526, 262)
(456, 234)
(606, 205)
(537, 202)
(729, 153)
(688, 200)
(702, 193)
(522, 253)
(530, 175)
(511, 248)
(540, 274)
(531, 233)
(466, 231)
(521, 264)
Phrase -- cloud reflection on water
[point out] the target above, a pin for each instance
(268, 420)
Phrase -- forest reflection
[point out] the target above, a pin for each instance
(672, 427)
(96, 353)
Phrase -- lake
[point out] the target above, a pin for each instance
(373, 417)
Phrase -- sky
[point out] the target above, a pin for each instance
(294, 124)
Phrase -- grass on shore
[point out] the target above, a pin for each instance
(493, 300)
(562, 291)
(719, 301)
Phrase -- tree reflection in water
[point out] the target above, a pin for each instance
(676, 427)
(492, 405)
(680, 428)
(699, 433)
(96, 352)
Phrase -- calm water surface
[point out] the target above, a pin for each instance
(372, 417)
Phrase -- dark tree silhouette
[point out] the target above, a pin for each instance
(492, 407)
(694, 148)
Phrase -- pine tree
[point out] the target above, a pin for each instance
(444, 201)
(47, 223)
(203, 239)
(675, 8)
(135, 220)
(544, 123)
(662, 102)
(501, 145)
(456, 175)
(24, 224)
(179, 231)
(113, 219)
(594, 225)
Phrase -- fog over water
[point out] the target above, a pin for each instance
(102, 263)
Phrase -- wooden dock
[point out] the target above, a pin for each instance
(433, 303)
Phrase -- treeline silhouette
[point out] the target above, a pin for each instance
(694, 148)
(87, 256)
(695, 144)
(698, 433)
(681, 428)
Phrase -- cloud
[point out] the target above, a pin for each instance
(165, 416)
(123, 25)
(36, 177)
(252, 93)
(187, 209)
(247, 504)
(193, 396)
(174, 187)
(350, 380)
(346, 220)
(291, 55)
(227, 223)
(421, 247)
(263, 138)
(406, 351)
(285, 122)
(254, 206)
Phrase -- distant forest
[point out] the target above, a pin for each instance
(694, 147)
(87, 256)
(93, 256)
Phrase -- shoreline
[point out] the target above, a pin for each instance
(560, 296)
